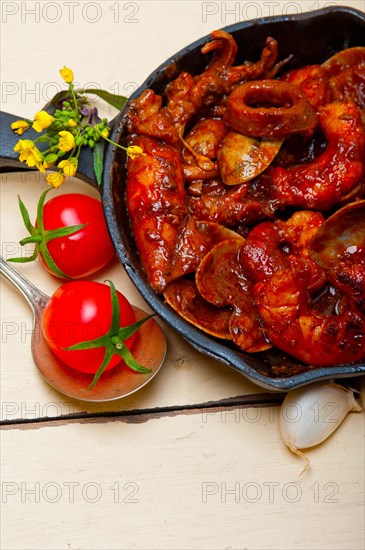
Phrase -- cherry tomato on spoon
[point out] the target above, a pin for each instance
(91, 327)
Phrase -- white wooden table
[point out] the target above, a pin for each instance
(195, 459)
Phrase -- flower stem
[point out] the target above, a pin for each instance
(110, 141)
(72, 90)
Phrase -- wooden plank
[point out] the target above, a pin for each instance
(217, 480)
(187, 377)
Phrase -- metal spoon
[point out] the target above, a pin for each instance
(149, 349)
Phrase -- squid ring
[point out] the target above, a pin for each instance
(293, 324)
(270, 108)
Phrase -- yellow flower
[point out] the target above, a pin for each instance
(19, 127)
(30, 154)
(24, 147)
(69, 166)
(71, 123)
(105, 133)
(67, 141)
(55, 179)
(67, 74)
(35, 158)
(41, 167)
(133, 151)
(42, 120)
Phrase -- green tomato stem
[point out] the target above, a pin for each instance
(40, 237)
(113, 341)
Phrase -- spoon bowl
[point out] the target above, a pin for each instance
(149, 349)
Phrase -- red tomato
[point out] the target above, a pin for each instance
(80, 311)
(89, 249)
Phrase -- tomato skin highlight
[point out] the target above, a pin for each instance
(80, 311)
(89, 249)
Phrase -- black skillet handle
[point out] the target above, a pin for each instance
(9, 159)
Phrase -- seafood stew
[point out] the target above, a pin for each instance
(259, 224)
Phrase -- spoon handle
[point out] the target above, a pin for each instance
(33, 295)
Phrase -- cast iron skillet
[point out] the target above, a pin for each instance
(311, 38)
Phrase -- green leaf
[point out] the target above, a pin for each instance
(90, 344)
(114, 326)
(126, 332)
(62, 231)
(109, 352)
(98, 156)
(59, 97)
(50, 262)
(130, 361)
(117, 101)
(25, 215)
(26, 260)
(40, 210)
(31, 240)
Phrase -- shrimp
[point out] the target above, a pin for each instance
(322, 183)
(351, 278)
(293, 324)
(156, 206)
(273, 246)
(340, 78)
(313, 83)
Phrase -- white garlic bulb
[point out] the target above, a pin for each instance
(311, 414)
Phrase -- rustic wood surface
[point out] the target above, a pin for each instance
(194, 460)
(209, 479)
